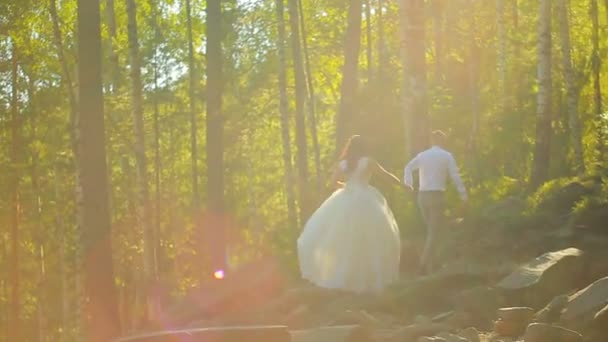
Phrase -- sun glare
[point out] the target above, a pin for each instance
(219, 274)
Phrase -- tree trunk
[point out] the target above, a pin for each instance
(215, 132)
(15, 299)
(438, 6)
(196, 200)
(348, 89)
(140, 157)
(157, 162)
(301, 154)
(572, 91)
(473, 78)
(502, 54)
(66, 80)
(415, 99)
(311, 99)
(63, 266)
(101, 307)
(284, 111)
(596, 66)
(382, 56)
(542, 148)
(114, 63)
(368, 36)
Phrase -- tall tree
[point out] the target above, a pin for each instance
(301, 144)
(541, 158)
(140, 156)
(596, 66)
(113, 35)
(311, 98)
(102, 309)
(572, 91)
(415, 95)
(192, 108)
(14, 264)
(501, 31)
(215, 125)
(284, 111)
(348, 88)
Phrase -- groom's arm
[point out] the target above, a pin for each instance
(408, 177)
(455, 176)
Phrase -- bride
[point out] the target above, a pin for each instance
(351, 242)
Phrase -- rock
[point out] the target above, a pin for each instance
(431, 339)
(584, 304)
(552, 312)
(541, 332)
(338, 333)
(509, 328)
(452, 337)
(224, 334)
(516, 314)
(538, 281)
(481, 302)
(470, 334)
(414, 331)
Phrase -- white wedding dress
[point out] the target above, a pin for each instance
(352, 241)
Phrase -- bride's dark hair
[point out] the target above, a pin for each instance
(355, 149)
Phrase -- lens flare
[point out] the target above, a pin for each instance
(219, 274)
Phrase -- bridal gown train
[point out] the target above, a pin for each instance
(351, 242)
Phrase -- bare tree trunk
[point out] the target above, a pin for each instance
(14, 273)
(437, 6)
(114, 63)
(157, 163)
(473, 62)
(66, 80)
(102, 310)
(63, 267)
(301, 144)
(413, 48)
(38, 237)
(349, 86)
(541, 160)
(368, 35)
(196, 200)
(572, 91)
(215, 130)
(502, 53)
(140, 156)
(381, 44)
(311, 99)
(284, 110)
(596, 66)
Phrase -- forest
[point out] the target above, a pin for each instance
(148, 144)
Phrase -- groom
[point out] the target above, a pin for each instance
(434, 165)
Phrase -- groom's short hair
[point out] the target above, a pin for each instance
(438, 137)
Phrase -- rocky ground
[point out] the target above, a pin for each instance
(542, 281)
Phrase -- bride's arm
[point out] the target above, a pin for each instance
(337, 176)
(385, 174)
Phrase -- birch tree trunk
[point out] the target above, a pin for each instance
(14, 262)
(350, 82)
(144, 209)
(542, 148)
(311, 99)
(284, 112)
(572, 91)
(300, 85)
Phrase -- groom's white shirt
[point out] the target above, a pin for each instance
(434, 165)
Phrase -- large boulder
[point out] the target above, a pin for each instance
(535, 283)
(542, 332)
(584, 305)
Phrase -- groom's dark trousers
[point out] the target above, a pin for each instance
(432, 206)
